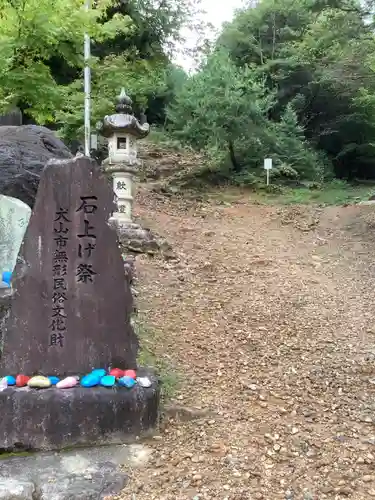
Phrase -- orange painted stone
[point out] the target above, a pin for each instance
(117, 372)
(130, 373)
(21, 380)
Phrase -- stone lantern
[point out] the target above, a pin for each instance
(122, 130)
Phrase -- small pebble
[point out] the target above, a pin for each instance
(90, 380)
(108, 381)
(127, 382)
(54, 380)
(117, 372)
(67, 383)
(367, 478)
(21, 380)
(10, 380)
(39, 382)
(130, 373)
(144, 382)
(99, 372)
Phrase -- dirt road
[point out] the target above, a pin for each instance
(269, 319)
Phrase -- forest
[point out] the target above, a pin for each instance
(288, 79)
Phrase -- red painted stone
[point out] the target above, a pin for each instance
(116, 372)
(21, 380)
(130, 373)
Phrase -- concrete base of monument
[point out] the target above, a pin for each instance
(55, 419)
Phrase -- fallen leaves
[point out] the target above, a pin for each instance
(271, 334)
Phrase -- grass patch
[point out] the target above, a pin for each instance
(333, 193)
(147, 357)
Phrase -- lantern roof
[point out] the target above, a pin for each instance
(124, 120)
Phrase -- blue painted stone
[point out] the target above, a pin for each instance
(10, 380)
(128, 382)
(90, 380)
(54, 380)
(108, 381)
(100, 372)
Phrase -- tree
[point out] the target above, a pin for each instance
(224, 109)
(315, 54)
(34, 31)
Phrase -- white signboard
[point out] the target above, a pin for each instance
(267, 163)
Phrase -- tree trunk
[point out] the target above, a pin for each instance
(236, 166)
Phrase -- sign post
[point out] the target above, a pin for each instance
(267, 168)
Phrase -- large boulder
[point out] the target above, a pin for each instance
(24, 151)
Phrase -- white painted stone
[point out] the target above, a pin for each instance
(14, 218)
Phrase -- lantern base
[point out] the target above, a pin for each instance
(134, 239)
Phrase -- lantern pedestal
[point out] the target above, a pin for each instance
(122, 130)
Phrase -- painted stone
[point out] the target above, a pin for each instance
(67, 383)
(3, 384)
(116, 372)
(21, 380)
(126, 381)
(10, 380)
(39, 382)
(130, 373)
(54, 380)
(99, 372)
(14, 218)
(90, 380)
(108, 381)
(144, 382)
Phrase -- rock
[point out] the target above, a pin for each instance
(67, 383)
(85, 474)
(54, 380)
(10, 380)
(16, 489)
(24, 151)
(128, 382)
(99, 372)
(39, 382)
(144, 381)
(21, 380)
(108, 381)
(71, 309)
(130, 373)
(117, 372)
(3, 384)
(90, 380)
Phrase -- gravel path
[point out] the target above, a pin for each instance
(269, 318)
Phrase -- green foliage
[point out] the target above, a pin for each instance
(319, 56)
(224, 110)
(33, 31)
(41, 57)
(292, 80)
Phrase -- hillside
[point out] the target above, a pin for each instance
(268, 319)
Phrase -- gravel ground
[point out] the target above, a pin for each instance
(268, 316)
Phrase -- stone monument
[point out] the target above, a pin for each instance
(14, 217)
(70, 313)
(122, 130)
